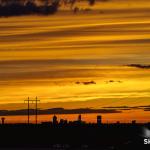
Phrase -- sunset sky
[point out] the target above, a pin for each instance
(45, 56)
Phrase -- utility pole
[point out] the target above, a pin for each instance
(28, 101)
(36, 110)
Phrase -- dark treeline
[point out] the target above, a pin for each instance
(25, 7)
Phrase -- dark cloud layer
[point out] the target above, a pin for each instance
(145, 108)
(58, 111)
(139, 66)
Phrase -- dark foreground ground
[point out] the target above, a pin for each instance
(74, 137)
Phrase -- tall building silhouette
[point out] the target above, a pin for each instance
(3, 120)
(80, 118)
(99, 120)
(55, 120)
(133, 121)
